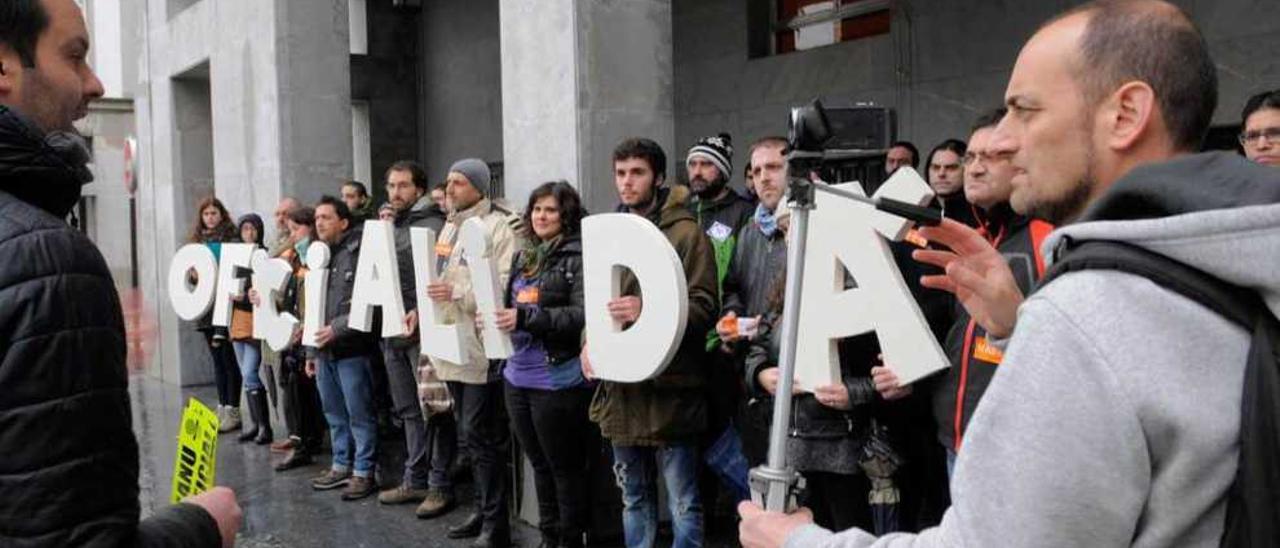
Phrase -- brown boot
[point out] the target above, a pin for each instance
(437, 503)
(330, 479)
(401, 494)
(359, 487)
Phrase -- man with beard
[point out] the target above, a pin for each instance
(69, 475)
(412, 207)
(719, 210)
(1116, 417)
(655, 425)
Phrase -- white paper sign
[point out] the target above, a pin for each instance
(269, 324)
(377, 282)
(231, 257)
(881, 302)
(478, 252)
(437, 339)
(189, 301)
(317, 288)
(610, 243)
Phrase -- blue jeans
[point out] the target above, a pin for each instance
(633, 466)
(249, 356)
(346, 394)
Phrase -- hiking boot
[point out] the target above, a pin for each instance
(402, 494)
(330, 479)
(232, 421)
(438, 503)
(359, 487)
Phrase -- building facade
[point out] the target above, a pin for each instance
(253, 100)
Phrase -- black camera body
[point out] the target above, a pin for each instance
(842, 143)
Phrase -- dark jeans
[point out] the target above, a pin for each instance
(555, 433)
(402, 379)
(482, 432)
(838, 501)
(226, 373)
(300, 401)
(442, 439)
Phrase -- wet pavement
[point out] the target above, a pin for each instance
(280, 508)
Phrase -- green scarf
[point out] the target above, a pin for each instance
(535, 256)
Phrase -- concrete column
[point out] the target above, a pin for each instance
(578, 77)
(249, 100)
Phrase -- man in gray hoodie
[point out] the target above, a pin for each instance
(1115, 420)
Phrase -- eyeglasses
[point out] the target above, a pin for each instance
(1255, 137)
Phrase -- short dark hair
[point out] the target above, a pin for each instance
(304, 215)
(359, 186)
(21, 24)
(339, 206)
(770, 140)
(1266, 99)
(988, 119)
(915, 152)
(567, 198)
(1127, 40)
(644, 149)
(954, 145)
(415, 170)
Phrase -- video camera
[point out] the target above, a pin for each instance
(841, 143)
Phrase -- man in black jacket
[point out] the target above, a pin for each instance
(423, 478)
(69, 475)
(340, 363)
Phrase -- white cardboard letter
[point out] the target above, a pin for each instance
(317, 289)
(192, 301)
(438, 340)
(231, 257)
(377, 281)
(610, 243)
(484, 283)
(881, 302)
(269, 324)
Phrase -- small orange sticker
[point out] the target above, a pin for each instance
(987, 352)
(528, 295)
(914, 237)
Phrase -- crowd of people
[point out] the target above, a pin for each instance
(1078, 413)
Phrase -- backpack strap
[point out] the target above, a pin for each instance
(1239, 305)
(1253, 501)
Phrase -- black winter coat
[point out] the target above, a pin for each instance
(347, 342)
(69, 470)
(422, 214)
(558, 319)
(809, 418)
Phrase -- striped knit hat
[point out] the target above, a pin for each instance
(718, 150)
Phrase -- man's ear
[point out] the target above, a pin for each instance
(8, 62)
(1132, 115)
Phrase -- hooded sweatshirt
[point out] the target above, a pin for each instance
(1115, 417)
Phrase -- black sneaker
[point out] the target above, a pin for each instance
(330, 479)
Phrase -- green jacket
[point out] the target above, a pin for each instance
(672, 407)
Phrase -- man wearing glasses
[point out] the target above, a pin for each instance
(988, 177)
(1261, 135)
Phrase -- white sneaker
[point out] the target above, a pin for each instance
(232, 421)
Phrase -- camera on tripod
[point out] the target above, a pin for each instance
(841, 143)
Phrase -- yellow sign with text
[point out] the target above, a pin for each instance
(197, 450)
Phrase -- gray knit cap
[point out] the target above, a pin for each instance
(476, 171)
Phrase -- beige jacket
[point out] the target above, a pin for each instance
(503, 228)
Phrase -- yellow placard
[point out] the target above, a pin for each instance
(197, 450)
